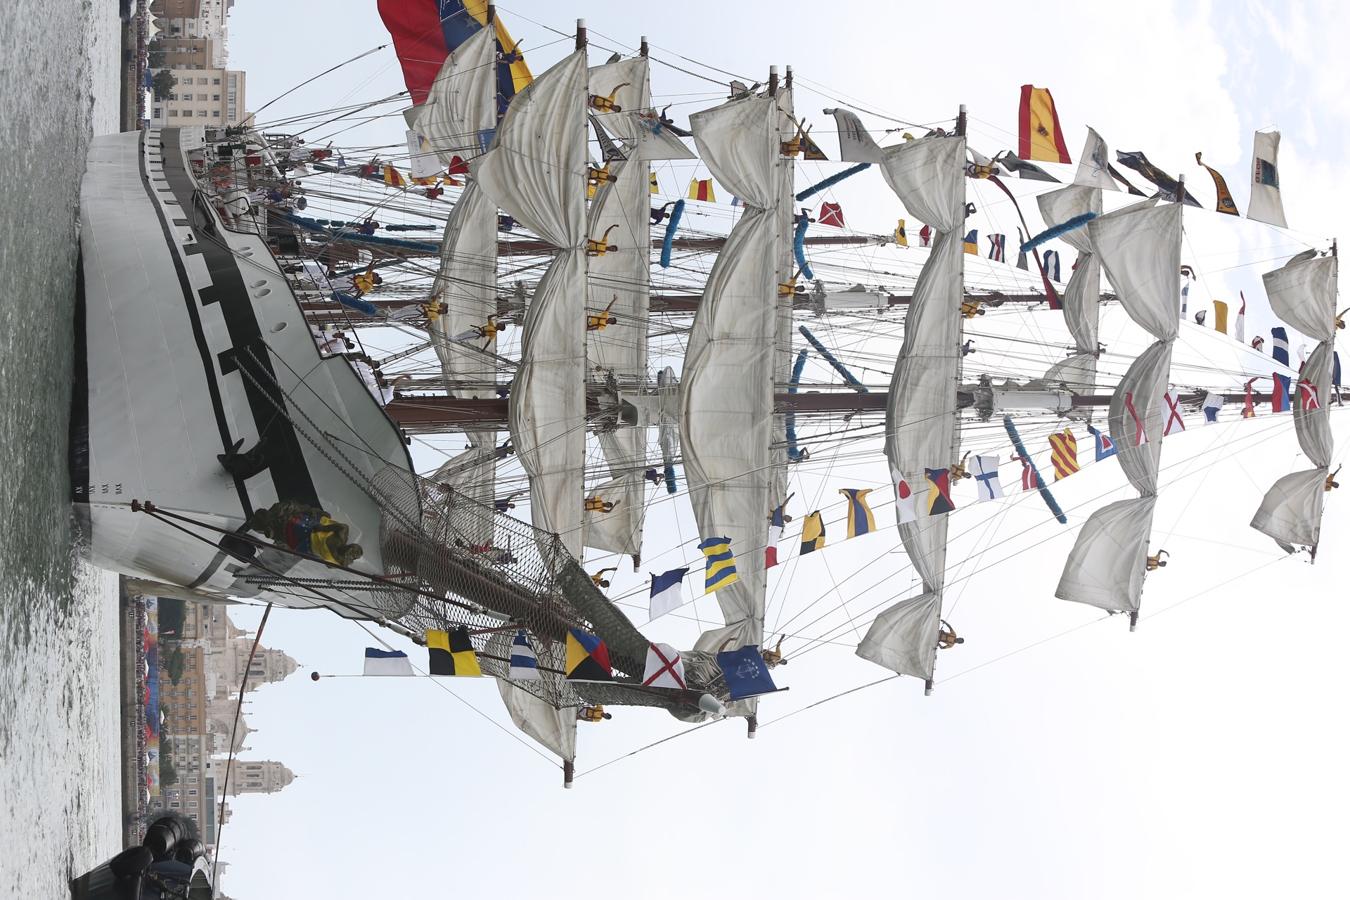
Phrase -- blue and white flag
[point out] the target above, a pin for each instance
(386, 662)
(667, 592)
(524, 664)
(985, 470)
(1279, 345)
(1050, 259)
(1211, 407)
(746, 673)
(1105, 447)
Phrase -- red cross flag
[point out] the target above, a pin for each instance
(1307, 395)
(664, 668)
(1171, 412)
(831, 214)
(1140, 435)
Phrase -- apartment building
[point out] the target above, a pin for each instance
(202, 97)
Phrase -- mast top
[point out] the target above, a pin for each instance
(581, 34)
(492, 13)
(961, 121)
(773, 80)
(787, 81)
(642, 46)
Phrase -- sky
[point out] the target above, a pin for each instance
(1060, 755)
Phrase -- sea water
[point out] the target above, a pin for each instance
(60, 800)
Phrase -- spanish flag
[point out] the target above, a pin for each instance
(587, 657)
(428, 180)
(1038, 133)
(972, 242)
(1064, 453)
(451, 653)
(720, 569)
(813, 533)
(860, 519)
(702, 189)
(1221, 316)
(391, 176)
(901, 238)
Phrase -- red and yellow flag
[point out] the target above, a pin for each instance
(702, 189)
(1038, 133)
(392, 177)
(1064, 453)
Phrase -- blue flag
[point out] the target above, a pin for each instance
(1279, 345)
(1105, 446)
(524, 664)
(745, 672)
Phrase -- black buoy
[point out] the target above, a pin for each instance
(313, 676)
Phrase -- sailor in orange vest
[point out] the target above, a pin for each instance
(957, 470)
(599, 579)
(595, 504)
(592, 714)
(488, 331)
(604, 320)
(774, 658)
(1156, 561)
(947, 638)
(1332, 483)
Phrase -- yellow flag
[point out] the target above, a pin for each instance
(1220, 316)
(900, 237)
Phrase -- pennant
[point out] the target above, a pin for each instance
(1279, 345)
(900, 237)
(1221, 316)
(745, 672)
(831, 214)
(1038, 133)
(996, 244)
(1050, 262)
(422, 157)
(1279, 397)
(985, 470)
(736, 201)
(451, 653)
(1064, 453)
(855, 144)
(860, 519)
(1213, 403)
(667, 592)
(587, 657)
(720, 568)
(386, 662)
(458, 166)
(811, 151)
(1165, 183)
(702, 189)
(1307, 396)
(775, 535)
(1171, 413)
(813, 533)
(1200, 316)
(1224, 204)
(1104, 447)
(652, 185)
(391, 176)
(906, 501)
(1094, 166)
(1140, 435)
(1264, 204)
(1028, 474)
(1240, 325)
(523, 664)
(1248, 409)
(972, 242)
(1021, 254)
(925, 236)
(939, 491)
(1024, 169)
(1185, 295)
(664, 668)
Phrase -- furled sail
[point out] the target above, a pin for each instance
(536, 171)
(1140, 250)
(928, 176)
(785, 279)
(462, 105)
(726, 406)
(1303, 293)
(1083, 292)
(619, 285)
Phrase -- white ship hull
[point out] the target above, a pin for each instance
(194, 340)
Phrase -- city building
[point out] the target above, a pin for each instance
(201, 97)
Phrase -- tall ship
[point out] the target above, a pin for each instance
(509, 386)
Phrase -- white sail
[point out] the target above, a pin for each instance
(855, 144)
(1083, 292)
(1105, 569)
(619, 285)
(928, 176)
(1094, 164)
(536, 171)
(1265, 204)
(1291, 511)
(785, 274)
(1140, 249)
(1302, 292)
(553, 727)
(726, 404)
(904, 638)
(462, 102)
(1310, 420)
